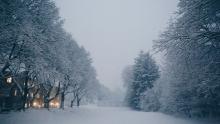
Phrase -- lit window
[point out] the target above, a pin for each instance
(57, 104)
(15, 93)
(9, 80)
(54, 104)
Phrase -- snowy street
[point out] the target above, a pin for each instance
(91, 115)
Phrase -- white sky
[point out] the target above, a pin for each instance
(114, 31)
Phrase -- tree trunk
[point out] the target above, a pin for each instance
(25, 90)
(46, 105)
(71, 104)
(78, 103)
(6, 66)
(77, 100)
(62, 100)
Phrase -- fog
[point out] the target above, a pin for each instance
(114, 31)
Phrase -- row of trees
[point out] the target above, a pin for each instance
(192, 53)
(32, 40)
(190, 74)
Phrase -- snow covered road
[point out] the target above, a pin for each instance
(92, 115)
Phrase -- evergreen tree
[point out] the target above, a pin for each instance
(145, 73)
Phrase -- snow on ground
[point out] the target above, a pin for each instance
(92, 115)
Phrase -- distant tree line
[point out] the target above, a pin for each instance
(189, 83)
(32, 40)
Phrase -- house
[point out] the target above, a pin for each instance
(11, 91)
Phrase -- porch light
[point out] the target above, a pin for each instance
(9, 80)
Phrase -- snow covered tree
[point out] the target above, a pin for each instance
(145, 73)
(191, 46)
(32, 40)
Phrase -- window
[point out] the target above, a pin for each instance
(15, 93)
(9, 80)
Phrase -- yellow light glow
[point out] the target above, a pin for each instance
(54, 104)
(51, 103)
(57, 104)
(35, 104)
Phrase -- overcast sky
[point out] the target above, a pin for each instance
(114, 31)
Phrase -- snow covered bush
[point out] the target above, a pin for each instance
(150, 101)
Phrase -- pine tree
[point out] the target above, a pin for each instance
(145, 73)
